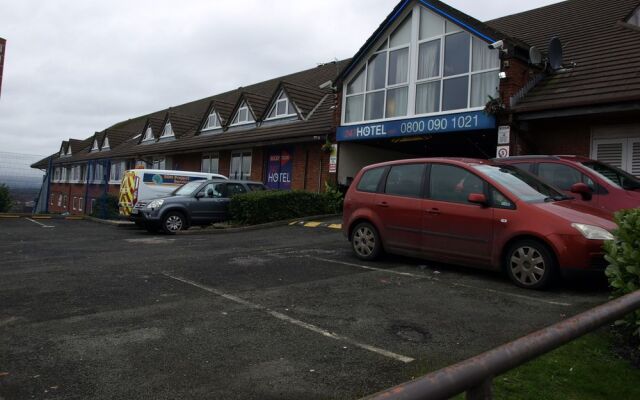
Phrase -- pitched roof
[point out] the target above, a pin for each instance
(605, 50)
(182, 124)
(305, 98)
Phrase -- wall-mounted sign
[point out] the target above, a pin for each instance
(502, 151)
(333, 159)
(504, 134)
(279, 169)
(459, 122)
(165, 179)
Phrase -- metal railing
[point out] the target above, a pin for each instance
(475, 375)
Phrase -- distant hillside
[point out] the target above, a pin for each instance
(16, 173)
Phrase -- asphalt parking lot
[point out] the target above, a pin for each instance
(96, 311)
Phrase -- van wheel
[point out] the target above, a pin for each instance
(530, 264)
(173, 223)
(366, 242)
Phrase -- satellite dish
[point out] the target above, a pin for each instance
(555, 53)
(535, 57)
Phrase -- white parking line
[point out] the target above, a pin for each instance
(520, 296)
(291, 320)
(40, 223)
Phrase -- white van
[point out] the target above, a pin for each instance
(144, 185)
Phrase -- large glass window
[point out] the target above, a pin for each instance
(213, 122)
(559, 175)
(405, 180)
(117, 171)
(243, 115)
(454, 70)
(282, 107)
(240, 165)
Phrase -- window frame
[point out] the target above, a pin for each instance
(243, 106)
(243, 155)
(288, 103)
(148, 135)
(210, 157)
(207, 127)
(421, 195)
(167, 131)
(485, 186)
(381, 180)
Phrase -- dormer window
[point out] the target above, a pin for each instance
(61, 152)
(167, 132)
(148, 135)
(634, 19)
(243, 115)
(105, 144)
(69, 151)
(213, 121)
(282, 107)
(95, 145)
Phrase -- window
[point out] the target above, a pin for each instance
(240, 165)
(370, 180)
(51, 199)
(523, 166)
(159, 163)
(60, 200)
(117, 171)
(210, 163)
(74, 203)
(213, 190)
(105, 144)
(498, 200)
(213, 121)
(454, 70)
(75, 176)
(634, 19)
(256, 187)
(453, 184)
(80, 203)
(282, 107)
(68, 151)
(405, 180)
(561, 176)
(65, 201)
(623, 153)
(243, 115)
(92, 204)
(614, 175)
(97, 173)
(381, 89)
(57, 174)
(167, 132)
(233, 189)
(148, 135)
(95, 145)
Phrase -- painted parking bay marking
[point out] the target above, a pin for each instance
(293, 321)
(40, 223)
(520, 296)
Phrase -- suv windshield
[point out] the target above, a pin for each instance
(187, 188)
(522, 184)
(614, 175)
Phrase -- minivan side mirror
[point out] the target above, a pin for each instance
(583, 190)
(477, 198)
(199, 195)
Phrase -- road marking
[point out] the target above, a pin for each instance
(9, 216)
(41, 217)
(312, 224)
(293, 321)
(40, 223)
(293, 222)
(335, 226)
(520, 296)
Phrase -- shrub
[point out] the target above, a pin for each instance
(266, 206)
(334, 198)
(623, 255)
(6, 202)
(106, 207)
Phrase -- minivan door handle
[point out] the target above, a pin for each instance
(434, 211)
(383, 204)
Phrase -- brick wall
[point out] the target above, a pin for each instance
(554, 137)
(187, 162)
(257, 164)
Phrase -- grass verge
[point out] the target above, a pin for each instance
(585, 369)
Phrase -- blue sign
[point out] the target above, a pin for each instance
(279, 169)
(467, 121)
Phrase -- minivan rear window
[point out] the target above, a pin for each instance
(370, 180)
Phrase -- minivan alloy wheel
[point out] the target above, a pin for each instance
(364, 241)
(527, 265)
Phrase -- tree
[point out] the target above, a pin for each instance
(5, 198)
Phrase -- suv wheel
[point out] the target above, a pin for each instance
(530, 264)
(173, 222)
(365, 241)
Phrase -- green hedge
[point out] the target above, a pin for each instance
(5, 198)
(260, 207)
(106, 207)
(623, 255)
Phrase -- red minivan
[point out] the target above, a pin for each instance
(475, 213)
(593, 183)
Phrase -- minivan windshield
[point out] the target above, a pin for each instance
(614, 175)
(522, 184)
(187, 188)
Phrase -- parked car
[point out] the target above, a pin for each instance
(592, 182)
(194, 203)
(139, 186)
(475, 213)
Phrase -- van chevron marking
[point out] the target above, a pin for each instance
(466, 121)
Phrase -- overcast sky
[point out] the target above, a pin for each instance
(76, 67)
